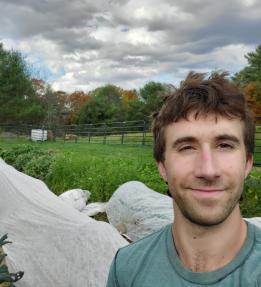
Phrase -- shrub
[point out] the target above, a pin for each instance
(10, 156)
(251, 204)
(28, 159)
(39, 167)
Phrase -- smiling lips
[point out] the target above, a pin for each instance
(211, 193)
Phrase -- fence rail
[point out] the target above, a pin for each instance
(129, 132)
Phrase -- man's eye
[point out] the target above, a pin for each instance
(225, 145)
(186, 148)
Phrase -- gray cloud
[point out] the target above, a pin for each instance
(131, 41)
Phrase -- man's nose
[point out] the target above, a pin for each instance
(207, 165)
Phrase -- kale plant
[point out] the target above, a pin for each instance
(4, 275)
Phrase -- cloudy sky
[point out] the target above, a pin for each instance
(85, 44)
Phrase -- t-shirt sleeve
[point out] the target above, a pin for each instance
(111, 278)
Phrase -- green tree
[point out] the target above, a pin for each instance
(18, 99)
(149, 102)
(104, 106)
(251, 73)
(150, 95)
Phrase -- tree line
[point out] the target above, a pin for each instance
(25, 98)
(250, 79)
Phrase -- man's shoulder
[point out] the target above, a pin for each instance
(256, 223)
(147, 256)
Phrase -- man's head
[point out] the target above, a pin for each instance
(215, 94)
(203, 144)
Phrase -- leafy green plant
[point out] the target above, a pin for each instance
(251, 204)
(22, 160)
(252, 189)
(10, 156)
(29, 159)
(4, 275)
(39, 167)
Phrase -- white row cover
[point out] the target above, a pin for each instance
(94, 208)
(77, 198)
(140, 209)
(53, 243)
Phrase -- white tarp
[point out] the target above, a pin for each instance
(94, 208)
(77, 198)
(140, 209)
(53, 243)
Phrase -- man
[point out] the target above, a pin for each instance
(203, 145)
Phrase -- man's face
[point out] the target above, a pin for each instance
(205, 166)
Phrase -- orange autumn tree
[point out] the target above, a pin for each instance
(75, 101)
(253, 94)
(128, 95)
(40, 86)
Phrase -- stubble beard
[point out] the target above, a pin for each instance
(192, 211)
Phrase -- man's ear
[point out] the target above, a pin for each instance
(162, 170)
(248, 165)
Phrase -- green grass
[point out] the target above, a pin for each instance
(96, 167)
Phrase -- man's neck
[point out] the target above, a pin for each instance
(205, 249)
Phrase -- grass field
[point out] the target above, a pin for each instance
(102, 168)
(96, 167)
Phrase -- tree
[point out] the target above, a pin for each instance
(18, 99)
(149, 102)
(150, 95)
(253, 94)
(127, 95)
(252, 73)
(75, 101)
(105, 105)
(54, 107)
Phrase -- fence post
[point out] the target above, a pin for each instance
(76, 136)
(90, 132)
(104, 137)
(54, 134)
(144, 131)
(30, 132)
(18, 130)
(42, 133)
(122, 137)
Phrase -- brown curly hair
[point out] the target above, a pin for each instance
(196, 93)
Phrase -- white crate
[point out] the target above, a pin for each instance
(38, 135)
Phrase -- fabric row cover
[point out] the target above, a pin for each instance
(53, 243)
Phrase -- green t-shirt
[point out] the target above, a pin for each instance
(153, 261)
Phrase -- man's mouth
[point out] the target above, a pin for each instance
(207, 193)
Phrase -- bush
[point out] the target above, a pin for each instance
(251, 204)
(11, 155)
(28, 159)
(39, 167)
